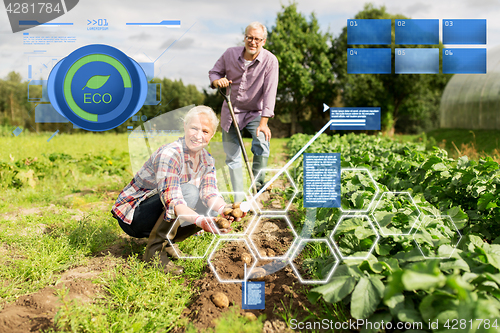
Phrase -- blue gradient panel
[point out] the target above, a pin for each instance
(464, 31)
(17, 131)
(368, 31)
(417, 61)
(369, 61)
(423, 32)
(253, 295)
(464, 61)
(45, 113)
(355, 119)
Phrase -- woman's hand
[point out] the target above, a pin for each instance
(208, 225)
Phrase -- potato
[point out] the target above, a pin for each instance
(222, 223)
(258, 273)
(228, 211)
(246, 258)
(220, 299)
(236, 205)
(237, 213)
(263, 253)
(271, 253)
(250, 316)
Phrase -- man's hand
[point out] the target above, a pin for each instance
(264, 129)
(222, 83)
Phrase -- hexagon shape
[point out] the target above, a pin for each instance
(248, 220)
(277, 178)
(358, 190)
(299, 249)
(197, 247)
(395, 213)
(434, 231)
(267, 233)
(352, 234)
(230, 268)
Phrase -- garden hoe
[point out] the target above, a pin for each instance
(227, 97)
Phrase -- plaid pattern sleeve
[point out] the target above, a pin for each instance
(170, 174)
(208, 186)
(164, 173)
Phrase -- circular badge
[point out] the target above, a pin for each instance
(97, 87)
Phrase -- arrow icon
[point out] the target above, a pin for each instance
(325, 107)
(89, 22)
(94, 22)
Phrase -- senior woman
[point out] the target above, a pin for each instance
(177, 180)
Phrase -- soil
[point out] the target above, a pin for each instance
(283, 290)
(35, 312)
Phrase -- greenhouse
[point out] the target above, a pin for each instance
(472, 101)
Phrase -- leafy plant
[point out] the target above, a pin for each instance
(400, 281)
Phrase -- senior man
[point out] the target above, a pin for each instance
(253, 73)
(177, 180)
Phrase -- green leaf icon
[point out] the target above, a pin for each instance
(96, 81)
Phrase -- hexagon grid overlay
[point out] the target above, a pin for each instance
(252, 213)
(395, 213)
(358, 190)
(354, 235)
(277, 206)
(435, 231)
(226, 263)
(197, 248)
(298, 250)
(273, 235)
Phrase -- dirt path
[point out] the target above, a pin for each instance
(35, 312)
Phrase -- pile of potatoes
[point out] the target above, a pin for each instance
(235, 212)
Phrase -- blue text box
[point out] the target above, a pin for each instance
(464, 31)
(369, 61)
(423, 32)
(464, 61)
(321, 180)
(417, 61)
(368, 31)
(253, 295)
(354, 119)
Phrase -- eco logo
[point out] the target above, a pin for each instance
(97, 87)
(30, 13)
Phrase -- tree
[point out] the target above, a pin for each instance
(305, 75)
(409, 102)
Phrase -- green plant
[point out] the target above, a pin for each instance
(396, 283)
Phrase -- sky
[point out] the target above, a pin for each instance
(207, 29)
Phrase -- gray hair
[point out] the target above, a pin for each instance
(202, 109)
(256, 25)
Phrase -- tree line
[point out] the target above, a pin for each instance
(313, 71)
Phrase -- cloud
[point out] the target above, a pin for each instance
(418, 8)
(141, 37)
(183, 44)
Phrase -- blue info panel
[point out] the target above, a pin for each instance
(464, 61)
(321, 180)
(368, 31)
(464, 31)
(253, 295)
(423, 32)
(369, 61)
(417, 61)
(355, 119)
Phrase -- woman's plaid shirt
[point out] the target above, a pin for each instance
(163, 173)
